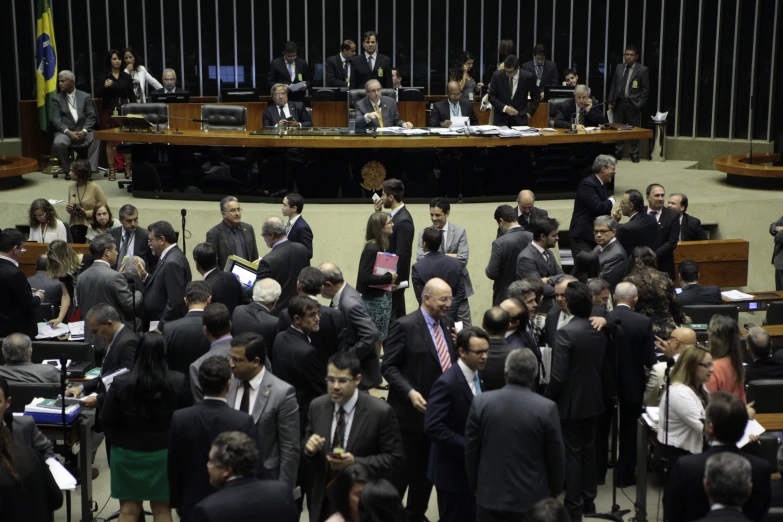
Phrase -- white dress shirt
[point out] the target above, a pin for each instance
(469, 374)
(686, 419)
(350, 408)
(255, 385)
(338, 296)
(204, 277)
(47, 234)
(11, 260)
(291, 222)
(374, 57)
(563, 319)
(602, 248)
(455, 110)
(166, 252)
(394, 212)
(655, 213)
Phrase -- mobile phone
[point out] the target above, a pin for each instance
(375, 197)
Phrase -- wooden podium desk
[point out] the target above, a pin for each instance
(34, 250)
(722, 262)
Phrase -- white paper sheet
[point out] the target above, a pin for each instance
(45, 331)
(458, 326)
(736, 295)
(65, 481)
(753, 428)
(55, 201)
(56, 363)
(154, 325)
(297, 86)
(460, 122)
(108, 379)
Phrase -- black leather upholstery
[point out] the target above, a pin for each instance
(153, 112)
(228, 117)
(358, 94)
(324, 95)
(766, 393)
(411, 95)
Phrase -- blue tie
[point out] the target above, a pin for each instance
(477, 382)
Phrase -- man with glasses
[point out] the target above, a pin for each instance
(284, 114)
(508, 93)
(338, 67)
(641, 229)
(611, 254)
(375, 111)
(232, 236)
(131, 240)
(347, 426)
(169, 81)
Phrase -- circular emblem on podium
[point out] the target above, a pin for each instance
(373, 174)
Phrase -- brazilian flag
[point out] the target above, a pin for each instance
(45, 61)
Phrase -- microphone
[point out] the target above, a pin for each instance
(63, 362)
(574, 131)
(184, 213)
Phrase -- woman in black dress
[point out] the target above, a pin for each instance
(115, 90)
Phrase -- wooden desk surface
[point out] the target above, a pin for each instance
(306, 138)
(771, 421)
(33, 250)
(774, 330)
(757, 297)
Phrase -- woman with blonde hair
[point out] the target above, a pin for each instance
(377, 301)
(63, 264)
(45, 226)
(724, 339)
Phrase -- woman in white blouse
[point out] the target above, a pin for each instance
(141, 76)
(688, 397)
(45, 227)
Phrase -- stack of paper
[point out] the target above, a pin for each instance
(509, 133)
(46, 332)
(414, 132)
(390, 130)
(752, 428)
(65, 481)
(566, 257)
(443, 131)
(108, 379)
(547, 129)
(486, 130)
(41, 405)
(77, 331)
(736, 295)
(55, 201)
(459, 122)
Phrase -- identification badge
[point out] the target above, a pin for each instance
(538, 82)
(380, 73)
(300, 77)
(636, 84)
(470, 96)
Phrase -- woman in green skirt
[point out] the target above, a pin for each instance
(136, 416)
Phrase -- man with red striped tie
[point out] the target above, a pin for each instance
(418, 350)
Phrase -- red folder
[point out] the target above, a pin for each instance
(384, 263)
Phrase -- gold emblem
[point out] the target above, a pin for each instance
(373, 174)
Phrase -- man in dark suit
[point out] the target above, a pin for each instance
(359, 333)
(225, 287)
(495, 323)
(508, 93)
(627, 96)
(502, 266)
(611, 254)
(169, 81)
(690, 227)
(284, 262)
(684, 498)
(765, 365)
(284, 113)
(289, 70)
(453, 106)
(375, 111)
(592, 200)
(437, 264)
(257, 316)
(444, 423)
(362, 426)
(19, 301)
(241, 497)
(73, 120)
(338, 67)
(544, 71)
(185, 338)
(191, 434)
(297, 229)
(537, 259)
(575, 383)
(513, 456)
(668, 228)
(692, 292)
(418, 350)
(775, 230)
(527, 212)
(727, 482)
(401, 240)
(132, 240)
(371, 65)
(559, 315)
(641, 229)
(231, 236)
(579, 111)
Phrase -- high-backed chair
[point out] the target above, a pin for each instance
(75, 351)
(24, 393)
(766, 449)
(774, 313)
(357, 94)
(767, 394)
(155, 113)
(553, 105)
(324, 95)
(411, 95)
(224, 117)
(701, 314)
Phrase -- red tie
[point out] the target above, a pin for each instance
(443, 350)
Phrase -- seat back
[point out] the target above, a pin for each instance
(155, 113)
(24, 393)
(774, 313)
(775, 514)
(224, 117)
(411, 95)
(701, 314)
(74, 350)
(355, 95)
(766, 449)
(767, 394)
(324, 95)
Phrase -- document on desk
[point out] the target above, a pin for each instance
(65, 481)
(297, 86)
(736, 295)
(460, 122)
(753, 428)
(415, 132)
(77, 331)
(443, 131)
(45, 331)
(390, 130)
(108, 379)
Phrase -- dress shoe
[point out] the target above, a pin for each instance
(95, 473)
(635, 158)
(588, 507)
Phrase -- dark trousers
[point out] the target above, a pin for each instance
(580, 245)
(79, 233)
(456, 506)
(778, 279)
(626, 463)
(602, 447)
(398, 304)
(413, 474)
(626, 112)
(581, 485)
(491, 515)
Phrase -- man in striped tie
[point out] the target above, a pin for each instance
(418, 350)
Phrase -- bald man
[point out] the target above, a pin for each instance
(527, 211)
(680, 339)
(444, 112)
(410, 369)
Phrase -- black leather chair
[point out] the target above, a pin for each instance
(774, 313)
(324, 95)
(767, 449)
(74, 350)
(412, 95)
(701, 314)
(155, 113)
(23, 394)
(224, 117)
(767, 394)
(775, 514)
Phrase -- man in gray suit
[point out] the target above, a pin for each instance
(19, 368)
(776, 229)
(217, 327)
(375, 111)
(538, 260)
(52, 288)
(505, 250)
(454, 244)
(272, 404)
(73, 120)
(231, 236)
(611, 254)
(514, 457)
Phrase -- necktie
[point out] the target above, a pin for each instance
(443, 241)
(580, 117)
(655, 214)
(511, 86)
(290, 72)
(331, 304)
(282, 113)
(443, 350)
(369, 62)
(380, 116)
(244, 404)
(477, 383)
(339, 432)
(546, 256)
(288, 227)
(345, 70)
(124, 249)
(626, 73)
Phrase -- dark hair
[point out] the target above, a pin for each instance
(724, 338)
(6, 438)
(295, 200)
(374, 232)
(368, 34)
(42, 204)
(148, 379)
(524, 314)
(10, 238)
(217, 320)
(394, 187)
(505, 48)
(689, 270)
(346, 45)
(496, 321)
(633, 48)
(652, 186)
(567, 72)
(433, 238)
(82, 168)
(100, 244)
(311, 280)
(109, 55)
(547, 510)
(299, 305)
(380, 502)
(98, 205)
(235, 450)
(518, 289)
(205, 255)
(683, 200)
(350, 475)
(213, 375)
(42, 262)
(456, 70)
(511, 62)
(635, 199)
(506, 213)
(544, 225)
(290, 47)
(539, 49)
(345, 360)
(198, 292)
(441, 203)
(255, 346)
(127, 210)
(163, 228)
(138, 61)
(400, 73)
(586, 266)
(579, 299)
(466, 334)
(728, 416)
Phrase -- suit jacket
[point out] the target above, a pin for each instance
(685, 500)
(101, 284)
(640, 230)
(278, 73)
(389, 113)
(441, 111)
(53, 288)
(666, 240)
(327, 341)
(191, 434)
(374, 440)
(164, 298)
(444, 424)
(185, 342)
(335, 74)
(141, 247)
(455, 241)
(766, 368)
(614, 263)
(724, 515)
(283, 264)
(401, 243)
(696, 294)
(411, 362)
(276, 416)
(549, 75)
(359, 335)
(502, 266)
(493, 374)
(550, 325)
(500, 96)
(121, 354)
(26, 433)
(514, 457)
(436, 264)
(257, 318)
(777, 493)
(576, 379)
(18, 303)
(381, 71)
(296, 110)
(635, 352)
(62, 119)
(690, 229)
(592, 200)
(242, 499)
(302, 233)
(777, 254)
(219, 237)
(566, 115)
(638, 85)
(531, 263)
(222, 347)
(226, 288)
(30, 373)
(36, 496)
(527, 223)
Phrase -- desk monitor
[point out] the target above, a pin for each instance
(247, 94)
(170, 97)
(242, 269)
(557, 91)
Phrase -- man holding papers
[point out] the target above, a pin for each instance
(453, 111)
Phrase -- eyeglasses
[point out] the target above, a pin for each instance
(444, 300)
(342, 380)
(479, 352)
(235, 359)
(706, 365)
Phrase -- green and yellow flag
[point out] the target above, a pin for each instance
(45, 61)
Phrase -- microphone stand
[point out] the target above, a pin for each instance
(63, 364)
(132, 286)
(184, 248)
